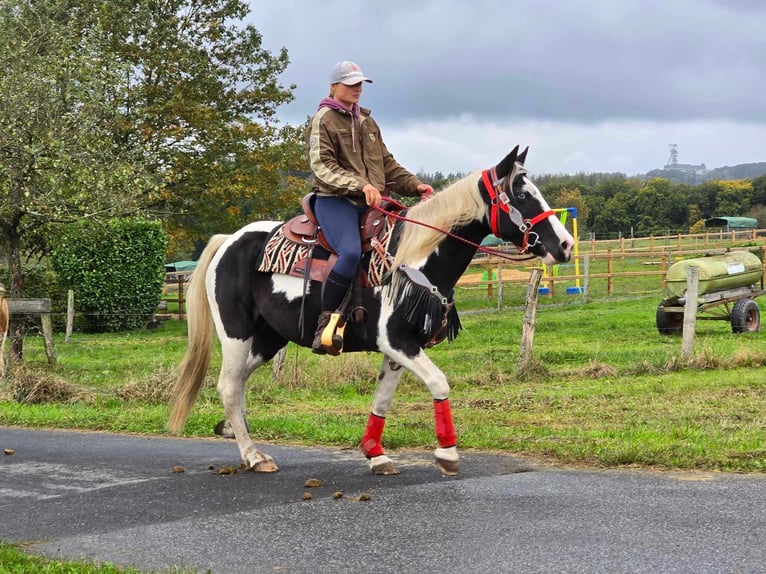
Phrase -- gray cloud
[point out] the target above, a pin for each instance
(499, 62)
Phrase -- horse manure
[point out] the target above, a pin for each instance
(307, 496)
(227, 470)
(313, 483)
(9, 451)
(337, 495)
(211, 467)
(178, 469)
(364, 497)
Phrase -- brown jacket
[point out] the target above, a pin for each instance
(340, 166)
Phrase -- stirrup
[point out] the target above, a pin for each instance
(332, 334)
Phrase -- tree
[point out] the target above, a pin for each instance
(59, 161)
(572, 197)
(202, 94)
(733, 197)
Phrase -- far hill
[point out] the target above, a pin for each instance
(739, 171)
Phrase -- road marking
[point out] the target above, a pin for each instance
(44, 480)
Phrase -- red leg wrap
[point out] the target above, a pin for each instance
(372, 436)
(445, 429)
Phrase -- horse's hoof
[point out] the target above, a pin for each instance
(382, 465)
(448, 467)
(265, 466)
(223, 428)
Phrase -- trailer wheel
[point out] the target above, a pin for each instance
(669, 323)
(745, 316)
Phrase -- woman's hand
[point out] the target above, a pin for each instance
(425, 190)
(371, 195)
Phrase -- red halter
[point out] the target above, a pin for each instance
(500, 201)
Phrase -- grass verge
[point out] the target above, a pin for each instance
(604, 389)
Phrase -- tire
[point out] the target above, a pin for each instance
(745, 316)
(669, 323)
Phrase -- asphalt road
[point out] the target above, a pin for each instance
(116, 498)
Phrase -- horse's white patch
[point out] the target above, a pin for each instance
(291, 287)
(266, 226)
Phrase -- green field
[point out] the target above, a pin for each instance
(604, 389)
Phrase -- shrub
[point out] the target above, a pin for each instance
(116, 270)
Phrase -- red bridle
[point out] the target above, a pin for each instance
(499, 201)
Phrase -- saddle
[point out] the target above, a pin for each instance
(304, 230)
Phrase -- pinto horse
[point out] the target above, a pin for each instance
(256, 314)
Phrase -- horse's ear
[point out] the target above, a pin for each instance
(522, 156)
(506, 164)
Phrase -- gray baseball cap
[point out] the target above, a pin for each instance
(347, 73)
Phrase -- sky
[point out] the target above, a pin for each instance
(588, 85)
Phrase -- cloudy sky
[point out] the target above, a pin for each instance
(589, 85)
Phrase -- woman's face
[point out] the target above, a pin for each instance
(346, 95)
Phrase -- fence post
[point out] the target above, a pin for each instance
(180, 278)
(278, 364)
(69, 315)
(690, 312)
(530, 313)
(499, 285)
(489, 279)
(763, 264)
(586, 276)
(609, 269)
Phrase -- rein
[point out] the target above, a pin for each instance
(504, 204)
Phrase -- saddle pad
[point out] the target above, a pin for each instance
(280, 255)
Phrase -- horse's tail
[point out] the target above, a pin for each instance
(193, 367)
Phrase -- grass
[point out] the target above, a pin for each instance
(604, 389)
(13, 560)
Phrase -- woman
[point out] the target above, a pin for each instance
(350, 167)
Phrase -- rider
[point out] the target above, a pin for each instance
(350, 167)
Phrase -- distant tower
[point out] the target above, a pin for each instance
(673, 159)
(683, 167)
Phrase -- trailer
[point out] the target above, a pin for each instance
(728, 286)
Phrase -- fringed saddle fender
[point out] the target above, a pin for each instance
(304, 228)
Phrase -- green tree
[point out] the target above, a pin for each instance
(59, 161)
(572, 197)
(202, 94)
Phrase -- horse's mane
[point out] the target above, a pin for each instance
(457, 205)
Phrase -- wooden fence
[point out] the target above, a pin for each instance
(659, 251)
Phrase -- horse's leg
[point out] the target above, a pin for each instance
(447, 459)
(388, 379)
(238, 363)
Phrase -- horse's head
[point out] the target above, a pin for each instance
(519, 213)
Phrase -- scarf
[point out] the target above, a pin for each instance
(354, 111)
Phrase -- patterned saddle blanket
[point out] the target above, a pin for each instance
(299, 243)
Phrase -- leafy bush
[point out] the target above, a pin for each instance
(116, 270)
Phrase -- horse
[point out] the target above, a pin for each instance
(5, 317)
(256, 314)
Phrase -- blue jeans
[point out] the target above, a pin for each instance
(339, 220)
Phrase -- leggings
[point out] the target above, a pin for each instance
(339, 220)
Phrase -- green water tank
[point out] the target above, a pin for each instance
(716, 272)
